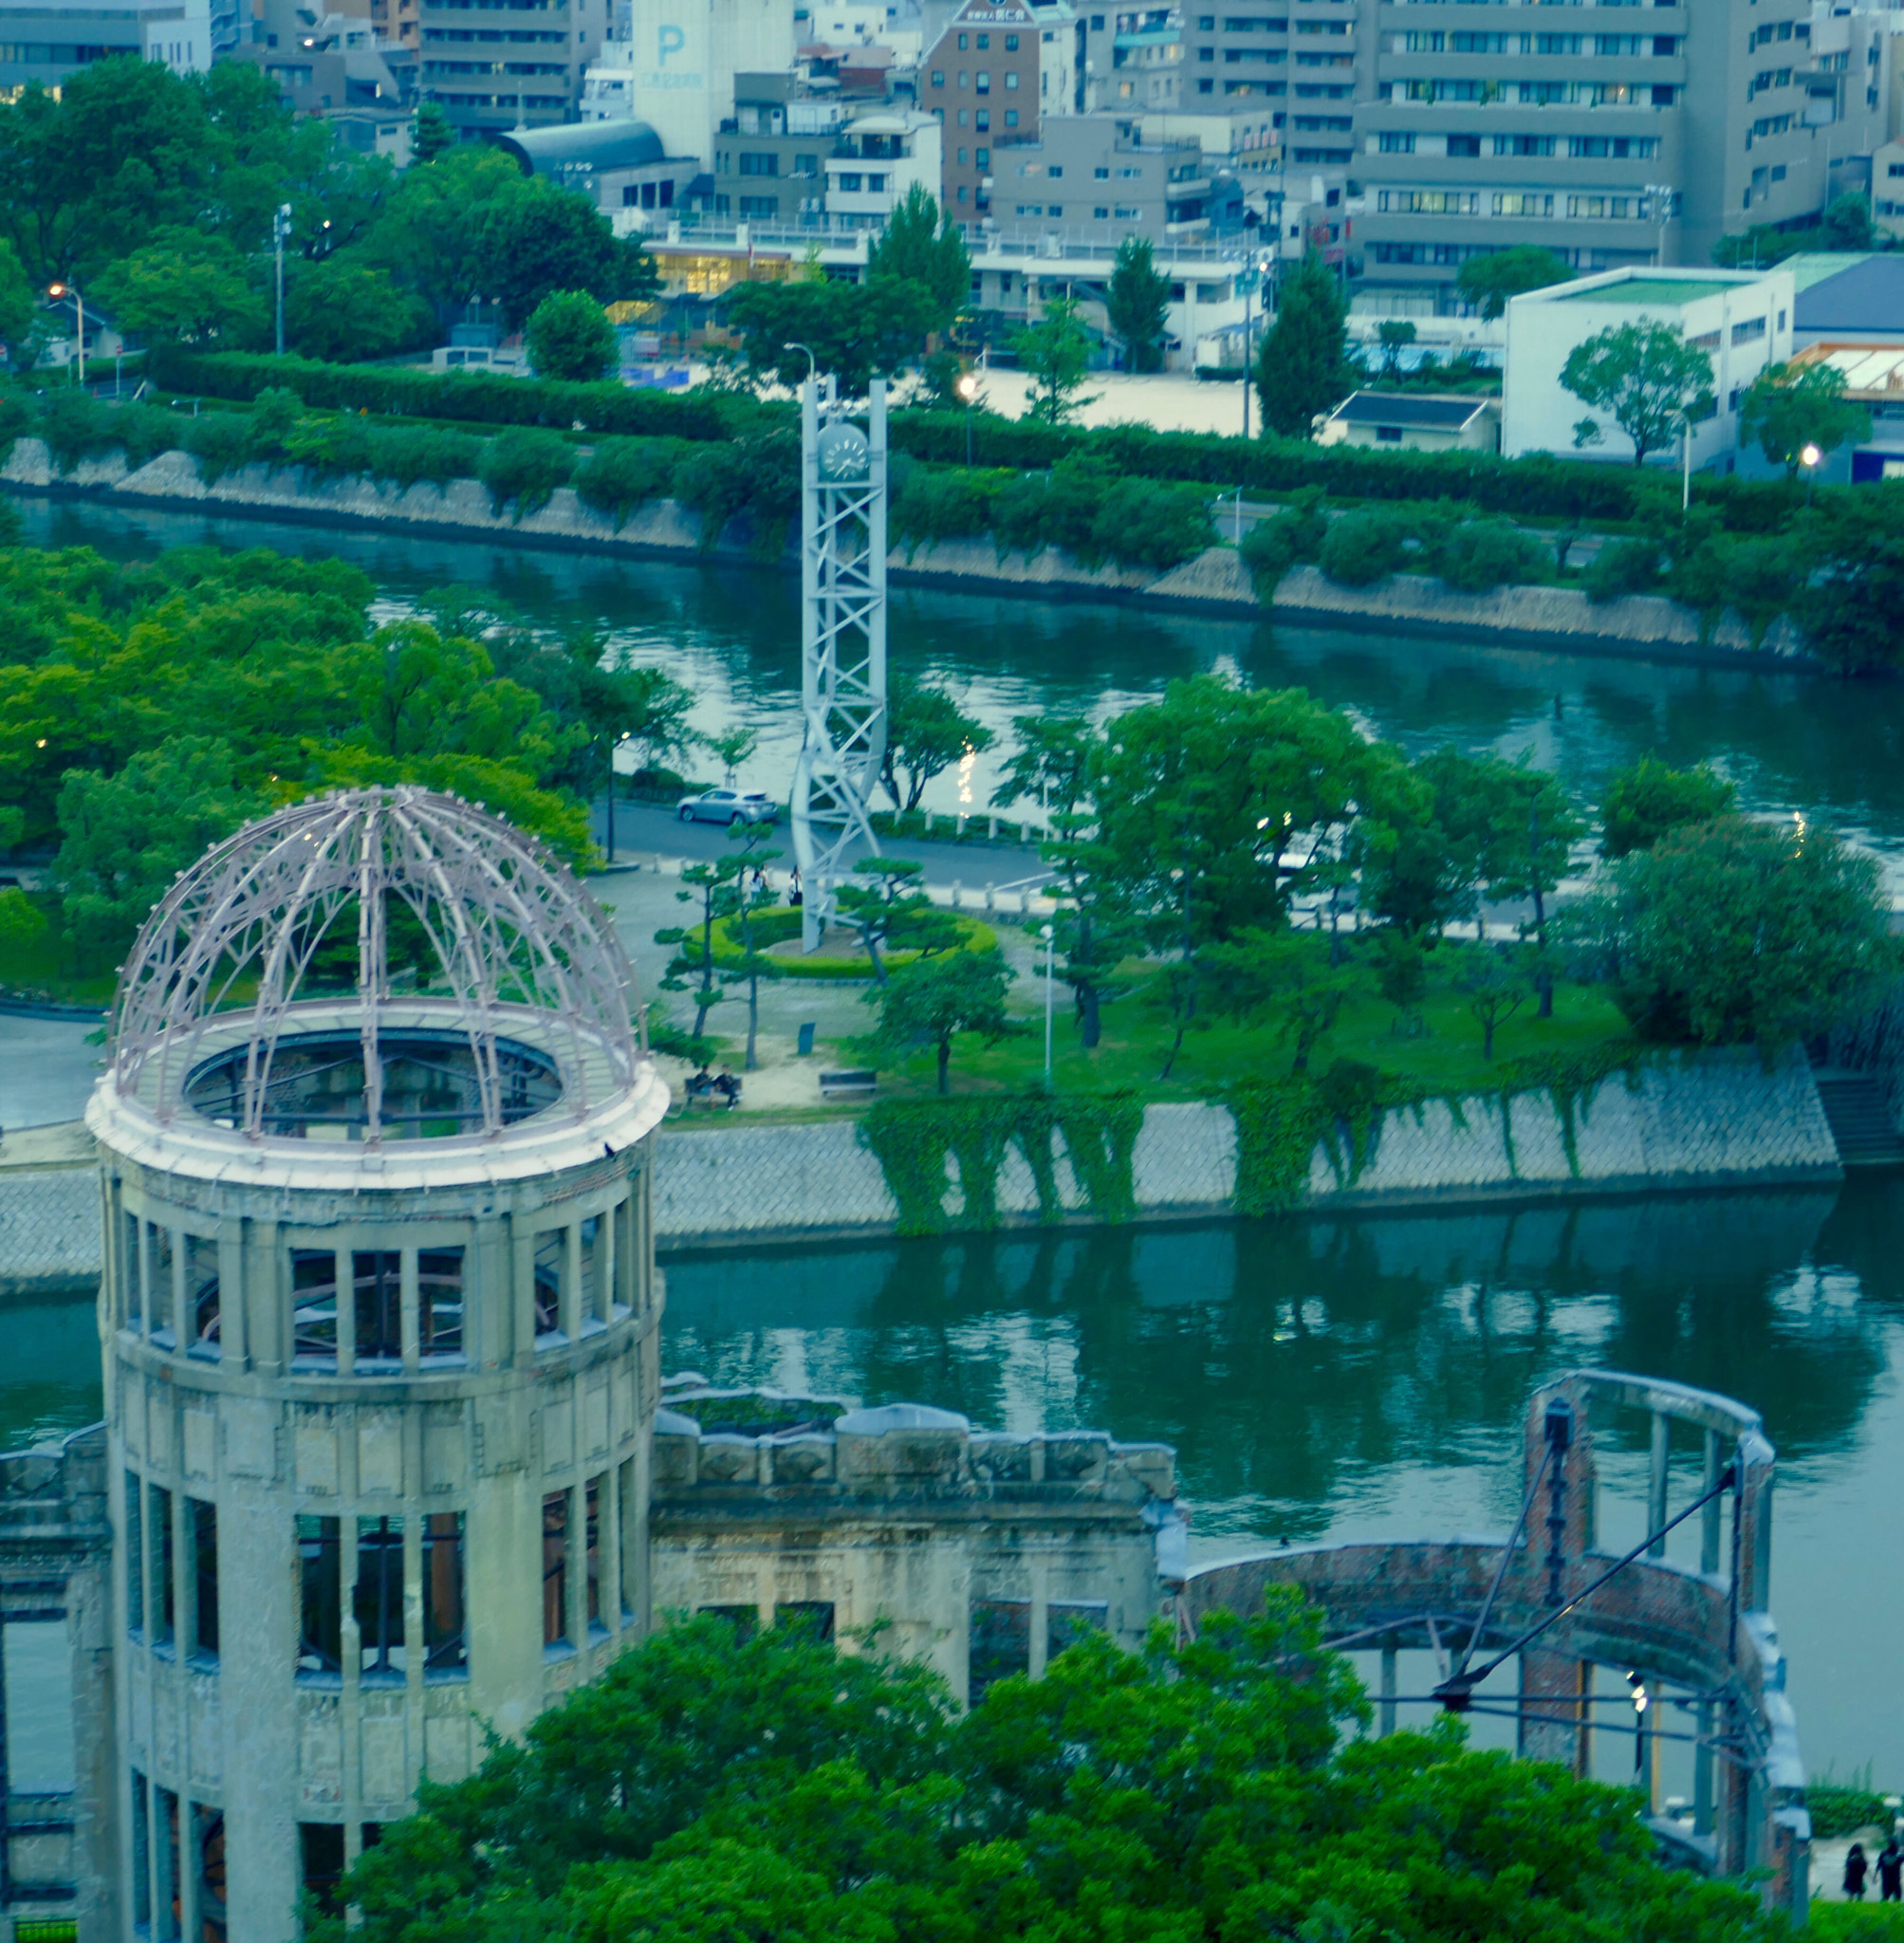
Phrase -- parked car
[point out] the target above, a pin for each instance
(728, 806)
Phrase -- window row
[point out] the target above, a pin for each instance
(579, 1528)
(1536, 94)
(164, 1533)
(178, 1865)
(357, 1565)
(1512, 202)
(1639, 148)
(1659, 46)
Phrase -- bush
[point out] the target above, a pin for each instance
(758, 476)
(621, 473)
(333, 448)
(523, 469)
(1272, 546)
(1477, 556)
(469, 396)
(16, 421)
(570, 337)
(1363, 547)
(1622, 567)
(406, 455)
(75, 426)
(1140, 524)
(1837, 1812)
(142, 432)
(937, 503)
(220, 441)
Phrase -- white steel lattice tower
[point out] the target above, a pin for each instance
(843, 640)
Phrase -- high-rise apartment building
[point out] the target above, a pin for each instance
(1616, 136)
(492, 67)
(980, 82)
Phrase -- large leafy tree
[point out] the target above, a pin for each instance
(930, 1002)
(1490, 282)
(922, 246)
(858, 332)
(1645, 377)
(539, 239)
(18, 303)
(1786, 410)
(925, 733)
(710, 1791)
(1738, 932)
(1650, 798)
(184, 289)
(1137, 301)
(570, 336)
(344, 308)
(1303, 366)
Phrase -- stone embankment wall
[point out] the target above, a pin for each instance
(1216, 581)
(1718, 1120)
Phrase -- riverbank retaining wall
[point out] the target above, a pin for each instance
(1216, 581)
(1714, 1119)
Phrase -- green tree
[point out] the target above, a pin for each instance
(710, 1788)
(125, 836)
(1490, 981)
(858, 332)
(933, 1001)
(1649, 800)
(1137, 301)
(1283, 975)
(183, 289)
(432, 133)
(717, 888)
(344, 310)
(1395, 335)
(1786, 410)
(1303, 367)
(1736, 933)
(921, 246)
(1055, 352)
(1532, 827)
(536, 239)
(751, 897)
(1846, 223)
(886, 904)
(925, 733)
(1853, 616)
(1491, 281)
(431, 236)
(1646, 375)
(570, 337)
(19, 300)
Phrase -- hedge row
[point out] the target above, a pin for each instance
(482, 397)
(1539, 487)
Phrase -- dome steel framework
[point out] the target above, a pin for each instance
(232, 965)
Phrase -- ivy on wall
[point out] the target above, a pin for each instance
(912, 1139)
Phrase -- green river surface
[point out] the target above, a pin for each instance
(1319, 1377)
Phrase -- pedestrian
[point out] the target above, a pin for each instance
(1856, 1868)
(795, 897)
(1890, 1871)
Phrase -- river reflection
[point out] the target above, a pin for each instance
(1365, 1376)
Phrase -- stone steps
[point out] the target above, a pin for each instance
(1859, 1121)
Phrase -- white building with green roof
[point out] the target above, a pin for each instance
(1741, 319)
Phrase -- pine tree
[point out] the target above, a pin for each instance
(1303, 369)
(1138, 304)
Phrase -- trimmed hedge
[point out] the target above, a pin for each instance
(1540, 485)
(779, 923)
(482, 397)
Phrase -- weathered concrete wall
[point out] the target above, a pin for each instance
(50, 1231)
(1637, 624)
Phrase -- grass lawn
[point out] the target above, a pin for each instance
(1446, 1057)
(46, 967)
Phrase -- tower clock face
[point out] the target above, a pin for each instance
(844, 455)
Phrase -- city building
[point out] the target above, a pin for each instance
(1741, 319)
(881, 155)
(619, 163)
(1874, 378)
(1848, 297)
(1413, 421)
(980, 79)
(491, 69)
(333, 65)
(1887, 188)
(1089, 180)
(684, 58)
(397, 23)
(383, 1465)
(47, 41)
(1640, 144)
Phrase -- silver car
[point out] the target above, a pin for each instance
(728, 806)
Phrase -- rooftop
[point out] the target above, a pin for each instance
(1865, 293)
(1665, 292)
(614, 144)
(1421, 408)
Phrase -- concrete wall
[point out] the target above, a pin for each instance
(1407, 603)
(1698, 1121)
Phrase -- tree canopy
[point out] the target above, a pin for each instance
(710, 1789)
(1489, 280)
(1138, 304)
(1303, 368)
(1646, 376)
(858, 332)
(570, 337)
(1786, 410)
(921, 246)
(1056, 353)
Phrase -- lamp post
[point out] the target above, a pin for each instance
(1050, 960)
(613, 748)
(280, 228)
(812, 362)
(967, 390)
(67, 290)
(1246, 278)
(1809, 459)
(1662, 194)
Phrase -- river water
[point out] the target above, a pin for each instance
(1319, 1377)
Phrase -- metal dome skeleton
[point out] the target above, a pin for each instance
(227, 967)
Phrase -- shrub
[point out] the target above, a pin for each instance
(1837, 1812)
(758, 476)
(1140, 524)
(1363, 547)
(1272, 546)
(406, 455)
(220, 441)
(523, 469)
(621, 473)
(1477, 556)
(937, 504)
(570, 337)
(274, 418)
(469, 396)
(1622, 567)
(142, 432)
(333, 448)
(75, 426)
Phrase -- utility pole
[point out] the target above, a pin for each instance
(281, 228)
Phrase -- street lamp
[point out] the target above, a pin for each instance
(1809, 459)
(1050, 960)
(57, 290)
(614, 750)
(812, 362)
(280, 228)
(967, 390)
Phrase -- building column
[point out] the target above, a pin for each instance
(1557, 1691)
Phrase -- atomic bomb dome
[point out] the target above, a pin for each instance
(386, 971)
(381, 1329)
